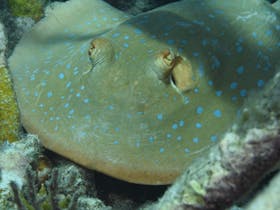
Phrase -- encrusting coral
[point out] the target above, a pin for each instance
(9, 113)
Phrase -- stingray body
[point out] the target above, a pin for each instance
(99, 87)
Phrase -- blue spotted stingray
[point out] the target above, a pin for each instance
(139, 98)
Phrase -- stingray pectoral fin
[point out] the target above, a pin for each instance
(94, 19)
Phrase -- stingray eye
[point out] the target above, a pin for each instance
(101, 52)
(167, 58)
(92, 47)
(183, 77)
(164, 64)
(175, 70)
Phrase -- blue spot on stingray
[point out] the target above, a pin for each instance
(161, 150)
(217, 113)
(198, 22)
(174, 126)
(115, 19)
(201, 70)
(239, 49)
(260, 83)
(254, 34)
(213, 138)
(125, 45)
(82, 87)
(187, 150)
(199, 110)
(277, 27)
(240, 69)
(195, 140)
(268, 33)
(159, 116)
(71, 111)
(78, 94)
(117, 129)
(75, 70)
(142, 41)
(179, 138)
(68, 66)
(126, 37)
(66, 105)
(210, 82)
(219, 11)
(116, 142)
(195, 54)
(215, 62)
(32, 77)
(181, 123)
(234, 98)
(186, 100)
(151, 139)
(233, 85)
(204, 42)
(240, 40)
(219, 93)
(198, 125)
(260, 43)
(170, 41)
(196, 90)
(137, 31)
(110, 107)
(115, 35)
(88, 117)
(68, 84)
(49, 94)
(184, 42)
(86, 100)
(168, 135)
(60, 75)
(243, 93)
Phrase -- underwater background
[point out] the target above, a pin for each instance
(191, 85)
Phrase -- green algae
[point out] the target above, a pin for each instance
(27, 8)
(9, 113)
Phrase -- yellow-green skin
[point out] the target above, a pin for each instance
(27, 8)
(9, 113)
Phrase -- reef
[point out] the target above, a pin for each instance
(9, 113)
(27, 8)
